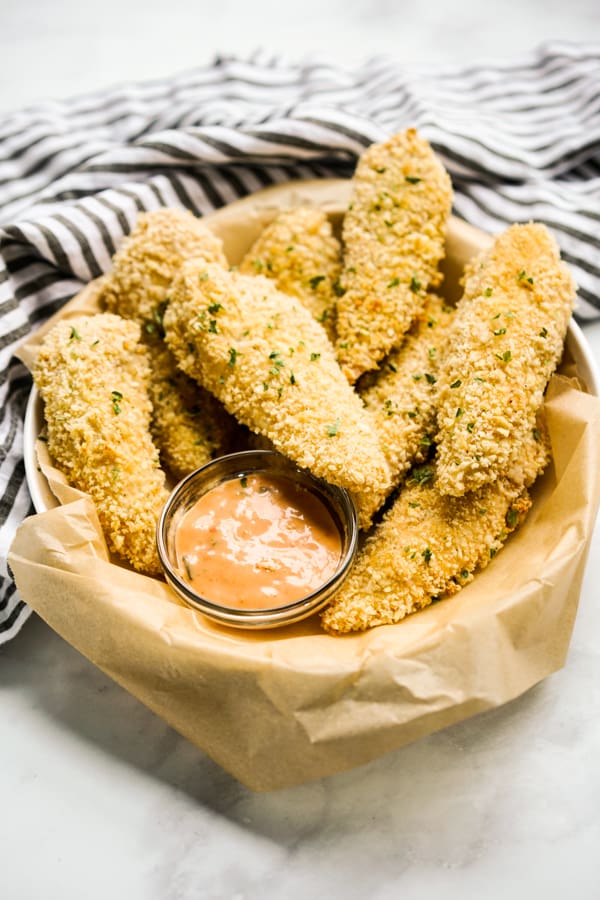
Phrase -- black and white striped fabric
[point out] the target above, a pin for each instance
(521, 141)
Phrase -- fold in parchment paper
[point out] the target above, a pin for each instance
(282, 707)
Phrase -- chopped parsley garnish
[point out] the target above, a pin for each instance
(488, 292)
(116, 397)
(333, 429)
(338, 290)
(431, 379)
(504, 357)
(421, 475)
(74, 334)
(499, 331)
(470, 427)
(314, 356)
(244, 481)
(233, 355)
(316, 281)
(412, 179)
(426, 555)
(512, 517)
(543, 333)
(524, 277)
(394, 282)
(214, 308)
(415, 284)
(456, 384)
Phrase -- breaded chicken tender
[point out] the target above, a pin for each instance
(394, 238)
(429, 545)
(144, 266)
(188, 425)
(273, 367)
(92, 374)
(507, 339)
(299, 251)
(401, 399)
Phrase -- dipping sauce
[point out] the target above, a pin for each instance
(257, 542)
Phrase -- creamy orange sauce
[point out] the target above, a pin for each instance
(257, 541)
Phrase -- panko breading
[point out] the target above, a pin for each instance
(401, 397)
(144, 266)
(92, 374)
(507, 339)
(272, 366)
(429, 545)
(394, 238)
(188, 425)
(300, 253)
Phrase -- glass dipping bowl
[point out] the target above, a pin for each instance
(336, 501)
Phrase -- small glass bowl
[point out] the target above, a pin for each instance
(336, 500)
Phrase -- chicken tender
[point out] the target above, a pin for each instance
(401, 399)
(144, 266)
(300, 253)
(272, 366)
(92, 374)
(507, 340)
(188, 425)
(429, 545)
(394, 238)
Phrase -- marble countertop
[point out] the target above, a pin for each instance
(101, 798)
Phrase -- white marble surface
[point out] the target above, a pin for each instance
(99, 798)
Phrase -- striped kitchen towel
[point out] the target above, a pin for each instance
(520, 139)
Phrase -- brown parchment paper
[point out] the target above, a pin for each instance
(281, 707)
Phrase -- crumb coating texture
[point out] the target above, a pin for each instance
(394, 238)
(507, 339)
(429, 545)
(299, 251)
(188, 425)
(262, 354)
(93, 374)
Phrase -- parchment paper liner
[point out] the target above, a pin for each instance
(282, 707)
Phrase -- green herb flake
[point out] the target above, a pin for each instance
(233, 355)
(338, 289)
(512, 517)
(212, 326)
(470, 427)
(421, 475)
(314, 356)
(543, 333)
(74, 334)
(244, 481)
(116, 397)
(412, 179)
(316, 281)
(536, 434)
(504, 357)
(415, 284)
(394, 282)
(488, 292)
(292, 378)
(459, 412)
(431, 379)
(427, 555)
(499, 331)
(523, 277)
(456, 384)
(334, 428)
(413, 504)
